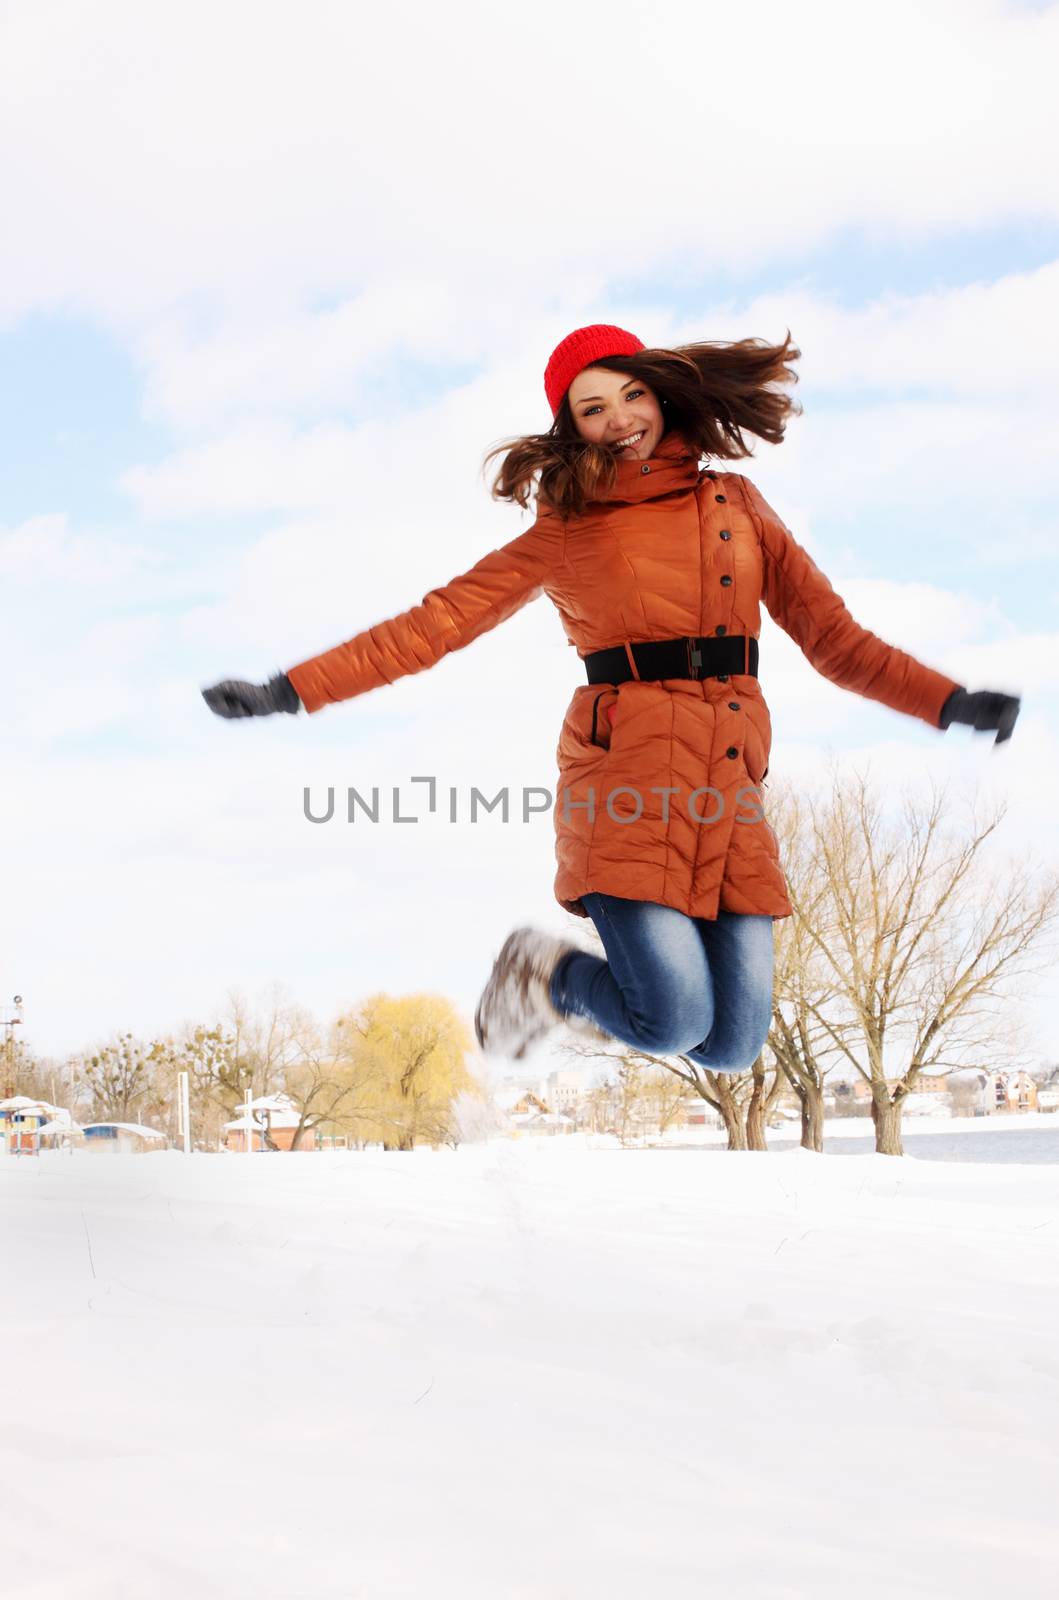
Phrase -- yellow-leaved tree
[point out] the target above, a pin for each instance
(413, 1052)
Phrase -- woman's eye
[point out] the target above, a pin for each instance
(630, 396)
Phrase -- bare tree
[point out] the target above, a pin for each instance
(805, 986)
(921, 938)
(118, 1081)
(239, 1050)
(333, 1079)
(217, 1077)
(264, 1043)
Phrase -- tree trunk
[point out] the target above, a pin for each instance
(755, 1125)
(755, 1111)
(812, 1104)
(728, 1106)
(733, 1123)
(887, 1120)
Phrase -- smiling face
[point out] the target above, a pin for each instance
(609, 407)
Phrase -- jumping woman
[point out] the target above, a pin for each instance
(657, 566)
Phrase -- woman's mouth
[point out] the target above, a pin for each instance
(628, 442)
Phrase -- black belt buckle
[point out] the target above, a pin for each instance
(694, 659)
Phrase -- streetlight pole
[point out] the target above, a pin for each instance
(11, 1018)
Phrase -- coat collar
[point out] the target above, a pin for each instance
(674, 466)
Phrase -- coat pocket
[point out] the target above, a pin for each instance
(585, 734)
(604, 708)
(757, 743)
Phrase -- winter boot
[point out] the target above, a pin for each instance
(516, 1011)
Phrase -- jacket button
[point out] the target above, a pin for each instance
(645, 467)
(733, 705)
(721, 499)
(725, 581)
(725, 533)
(721, 628)
(731, 752)
(722, 677)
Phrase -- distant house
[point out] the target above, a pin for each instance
(986, 1092)
(28, 1126)
(515, 1101)
(524, 1112)
(274, 1120)
(21, 1120)
(1022, 1094)
(1048, 1092)
(123, 1138)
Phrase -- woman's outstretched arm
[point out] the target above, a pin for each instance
(803, 602)
(446, 619)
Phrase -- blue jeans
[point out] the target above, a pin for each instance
(674, 985)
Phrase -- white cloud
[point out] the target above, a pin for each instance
(287, 359)
(45, 550)
(256, 154)
(994, 340)
(964, 483)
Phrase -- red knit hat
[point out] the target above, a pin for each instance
(579, 350)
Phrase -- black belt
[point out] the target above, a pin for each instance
(675, 658)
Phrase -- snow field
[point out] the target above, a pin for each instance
(529, 1368)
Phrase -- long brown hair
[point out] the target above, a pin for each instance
(713, 393)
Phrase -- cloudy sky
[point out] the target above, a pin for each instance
(274, 278)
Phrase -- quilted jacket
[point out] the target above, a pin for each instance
(659, 786)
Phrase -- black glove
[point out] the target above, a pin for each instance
(234, 698)
(984, 710)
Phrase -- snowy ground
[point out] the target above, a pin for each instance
(529, 1369)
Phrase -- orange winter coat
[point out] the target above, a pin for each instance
(658, 793)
